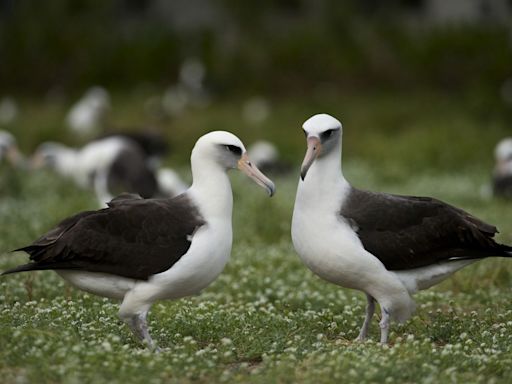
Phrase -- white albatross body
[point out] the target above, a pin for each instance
(140, 251)
(89, 166)
(327, 237)
(88, 113)
(80, 164)
(195, 270)
(330, 247)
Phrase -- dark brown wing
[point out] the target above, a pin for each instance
(406, 232)
(133, 238)
(130, 172)
(152, 143)
(502, 186)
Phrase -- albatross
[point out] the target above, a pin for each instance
(9, 149)
(140, 251)
(89, 113)
(107, 165)
(502, 175)
(388, 246)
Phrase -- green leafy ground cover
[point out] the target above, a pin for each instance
(267, 319)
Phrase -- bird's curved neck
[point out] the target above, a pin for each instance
(211, 189)
(326, 170)
(324, 180)
(66, 162)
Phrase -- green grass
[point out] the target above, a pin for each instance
(267, 318)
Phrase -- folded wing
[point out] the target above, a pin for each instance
(134, 238)
(406, 232)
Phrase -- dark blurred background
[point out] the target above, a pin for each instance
(277, 46)
(405, 76)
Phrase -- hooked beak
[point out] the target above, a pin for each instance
(314, 149)
(245, 165)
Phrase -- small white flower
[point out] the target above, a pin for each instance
(106, 346)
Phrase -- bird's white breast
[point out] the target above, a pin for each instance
(100, 284)
(195, 270)
(330, 247)
(326, 243)
(200, 266)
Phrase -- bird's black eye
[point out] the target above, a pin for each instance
(234, 149)
(326, 134)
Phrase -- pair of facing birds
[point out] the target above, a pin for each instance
(388, 246)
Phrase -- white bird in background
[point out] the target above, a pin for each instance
(155, 148)
(189, 90)
(502, 175)
(266, 157)
(169, 182)
(388, 246)
(9, 149)
(88, 114)
(153, 144)
(141, 251)
(8, 110)
(109, 166)
(256, 110)
(263, 152)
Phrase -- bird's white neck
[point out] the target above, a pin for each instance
(324, 183)
(211, 189)
(66, 162)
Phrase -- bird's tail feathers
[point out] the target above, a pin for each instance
(20, 268)
(506, 250)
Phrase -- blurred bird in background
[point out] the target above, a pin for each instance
(188, 91)
(88, 115)
(9, 149)
(502, 175)
(109, 166)
(265, 156)
(8, 110)
(155, 148)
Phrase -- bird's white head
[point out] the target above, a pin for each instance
(227, 151)
(49, 154)
(97, 97)
(263, 152)
(9, 148)
(503, 156)
(323, 133)
(503, 149)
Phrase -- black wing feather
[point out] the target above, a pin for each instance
(406, 232)
(502, 186)
(133, 238)
(130, 172)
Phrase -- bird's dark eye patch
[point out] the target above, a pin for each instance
(234, 149)
(326, 134)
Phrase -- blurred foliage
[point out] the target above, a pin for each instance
(271, 46)
(398, 133)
